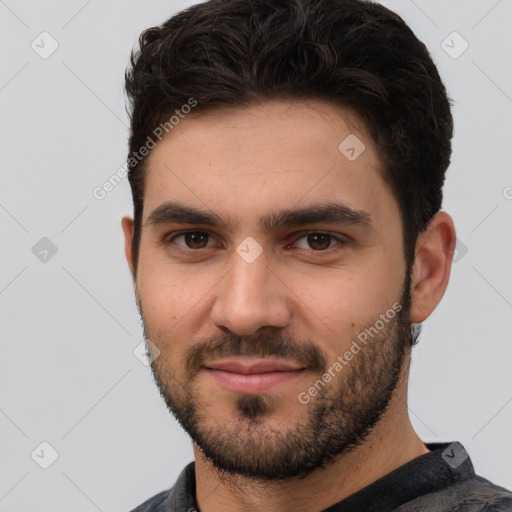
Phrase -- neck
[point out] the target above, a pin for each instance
(392, 443)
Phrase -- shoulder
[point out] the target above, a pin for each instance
(475, 494)
(179, 497)
(155, 504)
(483, 495)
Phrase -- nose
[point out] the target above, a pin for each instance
(250, 296)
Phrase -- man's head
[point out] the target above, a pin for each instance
(297, 152)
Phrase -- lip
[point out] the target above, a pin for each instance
(252, 375)
(253, 365)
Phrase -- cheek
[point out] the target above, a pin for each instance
(174, 298)
(344, 304)
(350, 294)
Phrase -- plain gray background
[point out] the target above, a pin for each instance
(69, 325)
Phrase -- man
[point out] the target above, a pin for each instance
(286, 161)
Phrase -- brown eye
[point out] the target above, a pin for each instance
(195, 240)
(317, 241)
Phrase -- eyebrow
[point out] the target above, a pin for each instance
(330, 213)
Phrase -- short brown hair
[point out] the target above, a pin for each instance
(354, 52)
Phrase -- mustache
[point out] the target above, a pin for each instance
(267, 344)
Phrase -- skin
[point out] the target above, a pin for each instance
(244, 163)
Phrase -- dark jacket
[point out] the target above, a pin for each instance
(442, 480)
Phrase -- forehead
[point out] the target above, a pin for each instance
(245, 162)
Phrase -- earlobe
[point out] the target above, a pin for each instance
(431, 270)
(127, 225)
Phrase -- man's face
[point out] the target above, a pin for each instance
(250, 317)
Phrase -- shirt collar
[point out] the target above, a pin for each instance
(444, 464)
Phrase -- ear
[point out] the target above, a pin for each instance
(431, 269)
(127, 225)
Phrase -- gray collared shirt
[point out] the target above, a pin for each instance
(442, 480)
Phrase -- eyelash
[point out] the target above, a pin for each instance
(169, 240)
